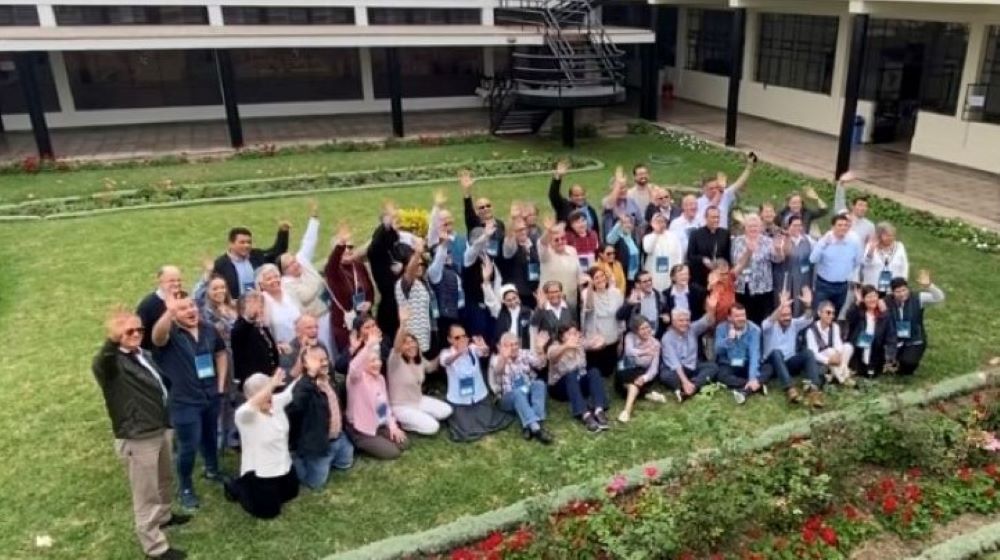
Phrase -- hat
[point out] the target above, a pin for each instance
(506, 288)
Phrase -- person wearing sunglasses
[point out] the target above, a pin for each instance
(577, 200)
(559, 261)
(607, 262)
(479, 214)
(473, 413)
(193, 357)
(520, 263)
(136, 393)
(824, 339)
(662, 202)
(351, 291)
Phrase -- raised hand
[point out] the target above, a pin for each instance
(562, 166)
(711, 303)
(487, 267)
(516, 210)
(404, 315)
(847, 177)
(721, 179)
(440, 199)
(784, 298)
(806, 297)
(810, 192)
(548, 222)
(284, 225)
(313, 206)
(542, 339)
(465, 179)
(924, 278)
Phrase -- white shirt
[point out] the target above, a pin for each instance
(682, 227)
(264, 437)
(813, 344)
(661, 248)
(894, 260)
(281, 317)
(725, 204)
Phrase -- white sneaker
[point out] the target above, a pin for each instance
(679, 395)
(656, 396)
(624, 417)
(739, 396)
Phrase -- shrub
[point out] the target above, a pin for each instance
(916, 438)
(415, 221)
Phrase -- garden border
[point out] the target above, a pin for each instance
(470, 528)
(970, 545)
(596, 166)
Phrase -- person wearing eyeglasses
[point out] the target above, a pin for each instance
(473, 414)
(662, 203)
(625, 239)
(607, 262)
(351, 291)
(577, 200)
(302, 282)
(758, 252)
(554, 312)
(907, 314)
(520, 263)
(193, 357)
(644, 301)
(479, 214)
(152, 307)
(824, 340)
(680, 370)
(559, 261)
(136, 393)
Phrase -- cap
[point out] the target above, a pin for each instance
(507, 288)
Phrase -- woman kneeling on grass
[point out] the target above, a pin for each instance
(266, 479)
(570, 378)
(638, 367)
(370, 421)
(405, 372)
(514, 381)
(474, 415)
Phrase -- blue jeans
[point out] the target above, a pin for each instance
(530, 407)
(577, 390)
(803, 363)
(834, 292)
(313, 471)
(196, 427)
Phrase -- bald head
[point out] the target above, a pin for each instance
(168, 279)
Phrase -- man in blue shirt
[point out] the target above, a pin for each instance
(781, 353)
(194, 359)
(837, 256)
(737, 353)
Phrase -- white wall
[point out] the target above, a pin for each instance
(949, 139)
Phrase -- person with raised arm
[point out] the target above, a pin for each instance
(572, 379)
(857, 214)
(474, 414)
(480, 214)
(416, 296)
(577, 200)
(169, 281)
(384, 258)
(720, 194)
(795, 272)
(520, 264)
(304, 283)
(405, 372)
(514, 380)
(282, 310)
(351, 290)
(624, 237)
(617, 204)
(371, 421)
(706, 245)
(795, 207)
(737, 354)
(601, 302)
(783, 355)
(638, 367)
(686, 221)
(884, 259)
(237, 266)
(755, 283)
(837, 257)
(868, 330)
(907, 314)
(681, 370)
(559, 261)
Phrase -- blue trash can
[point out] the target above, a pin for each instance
(859, 130)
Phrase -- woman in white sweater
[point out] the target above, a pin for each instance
(884, 259)
(266, 479)
(663, 251)
(302, 282)
(282, 309)
(600, 304)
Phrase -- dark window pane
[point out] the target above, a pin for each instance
(423, 16)
(991, 75)
(797, 51)
(11, 96)
(708, 41)
(135, 79)
(282, 75)
(18, 15)
(431, 72)
(131, 15)
(245, 15)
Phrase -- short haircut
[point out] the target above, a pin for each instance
(264, 269)
(550, 284)
(898, 282)
(737, 307)
(254, 384)
(792, 218)
(825, 304)
(838, 218)
(868, 289)
(509, 337)
(637, 322)
(639, 166)
(678, 312)
(885, 227)
(563, 329)
(859, 198)
(675, 269)
(238, 231)
(576, 215)
(713, 208)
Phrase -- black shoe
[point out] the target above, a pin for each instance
(227, 490)
(214, 476)
(527, 433)
(543, 436)
(602, 419)
(176, 520)
(171, 554)
(591, 423)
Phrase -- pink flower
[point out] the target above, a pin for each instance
(992, 443)
(651, 472)
(618, 483)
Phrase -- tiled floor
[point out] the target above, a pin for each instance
(939, 187)
(126, 142)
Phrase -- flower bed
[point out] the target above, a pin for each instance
(818, 497)
(168, 194)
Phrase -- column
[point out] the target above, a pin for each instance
(568, 128)
(367, 79)
(361, 15)
(487, 16)
(736, 46)
(395, 90)
(227, 82)
(46, 15)
(973, 63)
(215, 17)
(60, 78)
(649, 99)
(25, 64)
(859, 36)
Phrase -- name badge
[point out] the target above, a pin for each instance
(521, 384)
(662, 264)
(358, 298)
(435, 313)
(534, 271)
(584, 263)
(204, 364)
(884, 280)
(902, 329)
(461, 298)
(804, 267)
(493, 248)
(625, 364)
(349, 319)
(865, 340)
(737, 357)
(466, 386)
(382, 410)
(737, 362)
(247, 287)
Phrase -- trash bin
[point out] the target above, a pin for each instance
(859, 130)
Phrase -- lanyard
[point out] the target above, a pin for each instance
(354, 290)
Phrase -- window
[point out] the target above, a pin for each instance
(11, 94)
(131, 15)
(135, 79)
(423, 16)
(797, 51)
(245, 15)
(283, 75)
(431, 72)
(639, 15)
(914, 63)
(708, 41)
(18, 15)
(991, 75)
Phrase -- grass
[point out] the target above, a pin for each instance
(59, 278)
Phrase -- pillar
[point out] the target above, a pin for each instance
(859, 36)
(736, 46)
(395, 90)
(568, 127)
(25, 64)
(227, 83)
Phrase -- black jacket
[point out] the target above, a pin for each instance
(696, 301)
(629, 310)
(704, 244)
(224, 265)
(132, 395)
(308, 420)
(883, 343)
(254, 350)
(563, 207)
(523, 319)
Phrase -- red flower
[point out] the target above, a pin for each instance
(651, 472)
(887, 485)
(828, 535)
(687, 555)
(814, 523)
(520, 539)
(912, 493)
(991, 469)
(617, 484)
(913, 473)
(494, 540)
(851, 513)
(578, 508)
(889, 505)
(808, 535)
(463, 554)
(965, 474)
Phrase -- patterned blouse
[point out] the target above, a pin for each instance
(522, 366)
(756, 277)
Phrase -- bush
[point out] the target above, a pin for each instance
(916, 438)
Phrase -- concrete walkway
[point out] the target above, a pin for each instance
(943, 189)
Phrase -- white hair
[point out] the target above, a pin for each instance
(254, 384)
(264, 269)
(677, 313)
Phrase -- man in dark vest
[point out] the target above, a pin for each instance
(907, 320)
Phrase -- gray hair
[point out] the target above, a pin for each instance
(884, 227)
(677, 313)
(264, 269)
(254, 384)
(509, 337)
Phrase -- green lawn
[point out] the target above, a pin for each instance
(59, 278)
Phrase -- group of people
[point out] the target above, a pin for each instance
(301, 366)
